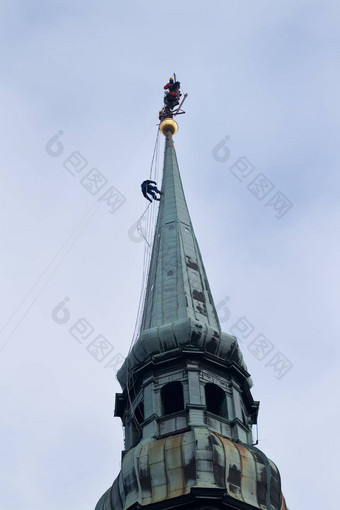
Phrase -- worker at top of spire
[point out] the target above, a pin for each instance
(173, 94)
(147, 189)
(172, 98)
(172, 87)
(168, 85)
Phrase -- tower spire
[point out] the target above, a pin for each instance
(177, 286)
(186, 404)
(179, 310)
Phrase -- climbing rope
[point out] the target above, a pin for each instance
(139, 225)
(149, 218)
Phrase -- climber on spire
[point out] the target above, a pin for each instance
(172, 96)
(150, 190)
(168, 85)
(172, 100)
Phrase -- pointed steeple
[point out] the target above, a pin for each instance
(177, 286)
(186, 404)
(179, 310)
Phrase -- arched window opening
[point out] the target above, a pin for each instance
(172, 397)
(216, 401)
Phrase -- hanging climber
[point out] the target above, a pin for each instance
(150, 190)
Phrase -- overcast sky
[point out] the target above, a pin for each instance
(262, 76)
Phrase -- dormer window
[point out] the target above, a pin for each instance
(216, 401)
(172, 398)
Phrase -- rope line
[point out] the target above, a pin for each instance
(149, 216)
(139, 225)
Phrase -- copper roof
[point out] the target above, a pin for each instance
(162, 469)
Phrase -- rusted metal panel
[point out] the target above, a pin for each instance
(261, 481)
(144, 475)
(159, 493)
(233, 468)
(248, 478)
(218, 460)
(189, 460)
(234, 480)
(176, 481)
(203, 453)
(155, 450)
(170, 467)
(174, 458)
(275, 486)
(129, 474)
(158, 474)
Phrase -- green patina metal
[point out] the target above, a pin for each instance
(178, 308)
(177, 286)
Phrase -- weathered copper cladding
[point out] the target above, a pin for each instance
(176, 466)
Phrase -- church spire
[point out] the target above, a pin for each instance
(179, 310)
(177, 285)
(186, 404)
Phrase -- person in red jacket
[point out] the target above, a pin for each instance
(168, 85)
(171, 98)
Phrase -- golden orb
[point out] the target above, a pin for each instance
(168, 125)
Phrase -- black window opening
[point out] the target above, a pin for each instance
(215, 400)
(172, 397)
